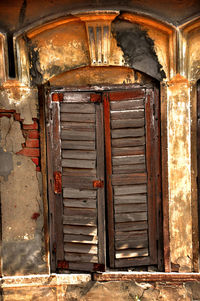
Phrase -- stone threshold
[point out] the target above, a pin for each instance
(147, 277)
(54, 280)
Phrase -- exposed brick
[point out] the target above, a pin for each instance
(38, 168)
(6, 111)
(32, 143)
(35, 160)
(5, 115)
(17, 116)
(33, 126)
(33, 134)
(30, 152)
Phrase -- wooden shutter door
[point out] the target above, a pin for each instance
(81, 163)
(131, 170)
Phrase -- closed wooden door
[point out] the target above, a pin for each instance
(104, 179)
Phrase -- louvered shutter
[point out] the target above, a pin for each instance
(129, 140)
(82, 169)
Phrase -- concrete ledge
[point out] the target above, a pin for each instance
(145, 276)
(43, 280)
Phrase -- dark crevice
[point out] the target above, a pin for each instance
(11, 56)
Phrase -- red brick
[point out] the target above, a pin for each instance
(35, 160)
(5, 115)
(30, 152)
(33, 126)
(38, 168)
(34, 134)
(32, 143)
(6, 111)
(17, 117)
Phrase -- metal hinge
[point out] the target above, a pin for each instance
(57, 97)
(98, 184)
(96, 98)
(57, 182)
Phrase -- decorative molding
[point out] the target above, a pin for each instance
(98, 28)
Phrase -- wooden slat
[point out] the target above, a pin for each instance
(87, 145)
(79, 163)
(131, 226)
(85, 203)
(77, 182)
(81, 266)
(131, 253)
(129, 132)
(136, 243)
(82, 230)
(130, 208)
(130, 104)
(129, 169)
(131, 199)
(78, 117)
(82, 126)
(125, 151)
(80, 248)
(128, 217)
(127, 123)
(129, 114)
(124, 95)
(79, 172)
(128, 179)
(130, 189)
(124, 142)
(77, 135)
(74, 97)
(86, 239)
(80, 211)
(73, 257)
(131, 235)
(78, 108)
(78, 194)
(123, 160)
(78, 154)
(142, 260)
(79, 220)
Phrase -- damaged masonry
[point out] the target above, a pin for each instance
(99, 150)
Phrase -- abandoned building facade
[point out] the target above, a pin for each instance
(99, 150)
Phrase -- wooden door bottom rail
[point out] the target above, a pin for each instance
(147, 276)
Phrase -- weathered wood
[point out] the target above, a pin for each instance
(131, 226)
(74, 97)
(129, 114)
(77, 182)
(78, 117)
(130, 208)
(124, 142)
(129, 169)
(128, 217)
(129, 132)
(80, 248)
(77, 154)
(77, 135)
(123, 160)
(127, 151)
(87, 145)
(85, 203)
(130, 199)
(80, 211)
(78, 194)
(131, 235)
(80, 220)
(127, 123)
(77, 108)
(110, 205)
(78, 163)
(82, 230)
(130, 189)
(130, 104)
(73, 257)
(132, 262)
(123, 95)
(79, 172)
(136, 243)
(81, 266)
(81, 126)
(86, 239)
(131, 253)
(100, 191)
(128, 179)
